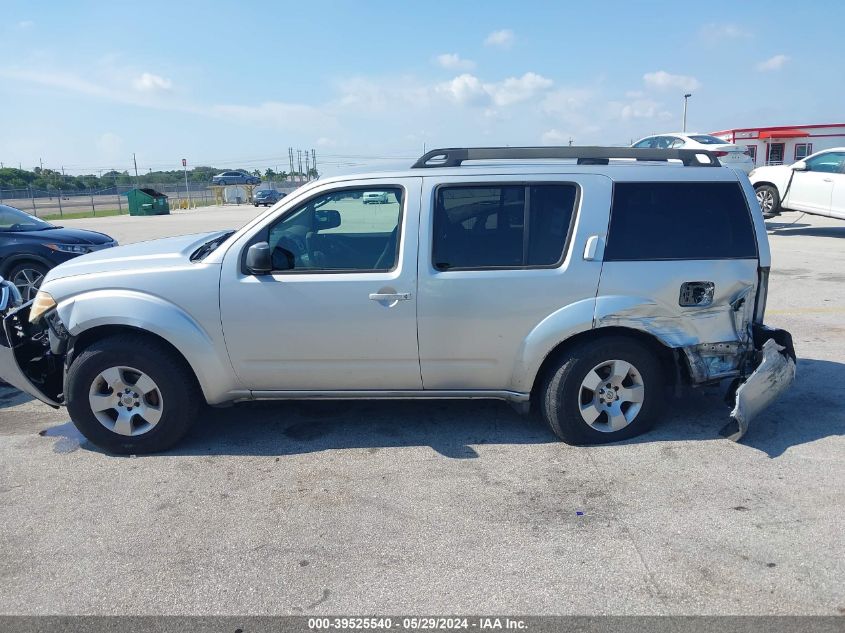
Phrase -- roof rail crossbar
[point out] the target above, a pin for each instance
(454, 156)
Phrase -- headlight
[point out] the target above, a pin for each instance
(42, 303)
(76, 249)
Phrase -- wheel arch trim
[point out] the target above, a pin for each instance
(157, 316)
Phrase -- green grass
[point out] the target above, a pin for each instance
(101, 213)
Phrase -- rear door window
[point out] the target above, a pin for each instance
(508, 226)
(679, 221)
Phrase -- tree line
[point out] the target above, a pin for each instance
(47, 179)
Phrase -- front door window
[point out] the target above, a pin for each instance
(348, 230)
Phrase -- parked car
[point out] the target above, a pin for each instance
(510, 281)
(731, 155)
(235, 178)
(29, 247)
(375, 197)
(267, 197)
(814, 185)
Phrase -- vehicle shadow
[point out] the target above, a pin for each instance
(812, 231)
(453, 427)
(11, 397)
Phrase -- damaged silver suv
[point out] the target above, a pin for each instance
(582, 283)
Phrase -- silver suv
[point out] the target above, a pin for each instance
(581, 283)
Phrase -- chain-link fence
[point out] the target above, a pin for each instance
(53, 203)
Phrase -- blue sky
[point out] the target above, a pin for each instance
(85, 84)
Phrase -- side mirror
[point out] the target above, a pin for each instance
(325, 219)
(258, 261)
(799, 166)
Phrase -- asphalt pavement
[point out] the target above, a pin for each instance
(446, 507)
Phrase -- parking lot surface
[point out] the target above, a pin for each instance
(446, 507)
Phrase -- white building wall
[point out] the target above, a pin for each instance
(818, 138)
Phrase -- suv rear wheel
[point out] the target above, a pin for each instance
(603, 391)
(131, 394)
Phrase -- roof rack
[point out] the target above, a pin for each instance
(454, 156)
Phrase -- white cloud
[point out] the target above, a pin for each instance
(150, 83)
(325, 141)
(515, 89)
(723, 32)
(288, 116)
(502, 39)
(773, 63)
(25, 24)
(662, 79)
(453, 61)
(467, 89)
(110, 145)
(638, 109)
(565, 101)
(555, 137)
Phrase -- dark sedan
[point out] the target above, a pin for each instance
(267, 197)
(235, 178)
(29, 247)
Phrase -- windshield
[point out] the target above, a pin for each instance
(12, 219)
(708, 140)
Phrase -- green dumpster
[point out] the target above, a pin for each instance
(146, 201)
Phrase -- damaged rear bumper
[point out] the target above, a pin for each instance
(774, 373)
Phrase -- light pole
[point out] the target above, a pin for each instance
(686, 98)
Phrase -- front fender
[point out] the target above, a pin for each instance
(163, 318)
(549, 333)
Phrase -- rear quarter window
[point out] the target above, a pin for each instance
(679, 221)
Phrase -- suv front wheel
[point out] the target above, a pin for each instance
(131, 394)
(603, 391)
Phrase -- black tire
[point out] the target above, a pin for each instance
(561, 391)
(180, 392)
(29, 269)
(775, 195)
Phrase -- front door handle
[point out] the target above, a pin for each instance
(390, 296)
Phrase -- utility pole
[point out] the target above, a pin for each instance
(290, 156)
(299, 162)
(136, 168)
(41, 164)
(187, 190)
(570, 141)
(686, 98)
(307, 167)
(314, 162)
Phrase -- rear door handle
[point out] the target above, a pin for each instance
(390, 296)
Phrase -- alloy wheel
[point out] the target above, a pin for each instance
(611, 396)
(766, 200)
(27, 281)
(126, 401)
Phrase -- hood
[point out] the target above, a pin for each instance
(163, 253)
(62, 235)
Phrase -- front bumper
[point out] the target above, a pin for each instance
(774, 373)
(26, 360)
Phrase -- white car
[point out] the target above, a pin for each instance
(375, 197)
(730, 155)
(814, 185)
